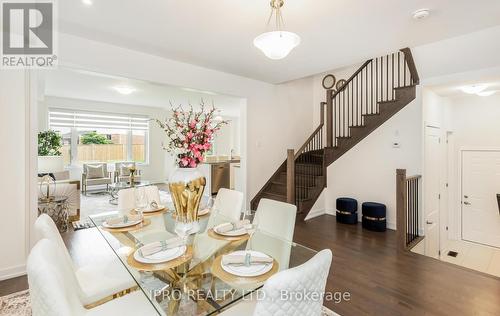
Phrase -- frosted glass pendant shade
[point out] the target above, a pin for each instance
(277, 44)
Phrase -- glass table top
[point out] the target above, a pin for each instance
(195, 283)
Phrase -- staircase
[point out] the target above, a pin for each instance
(374, 93)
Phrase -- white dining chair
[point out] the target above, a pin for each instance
(152, 194)
(126, 199)
(275, 222)
(99, 280)
(54, 290)
(309, 277)
(228, 204)
(276, 218)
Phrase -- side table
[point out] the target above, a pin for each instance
(57, 209)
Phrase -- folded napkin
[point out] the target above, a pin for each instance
(229, 227)
(163, 245)
(245, 259)
(123, 219)
(153, 205)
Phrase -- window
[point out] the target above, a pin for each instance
(99, 137)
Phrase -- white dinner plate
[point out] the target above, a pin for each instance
(159, 208)
(160, 257)
(233, 233)
(250, 271)
(122, 225)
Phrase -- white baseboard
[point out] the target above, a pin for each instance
(315, 213)
(12, 272)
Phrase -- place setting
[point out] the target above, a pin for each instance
(152, 208)
(125, 223)
(244, 266)
(232, 231)
(161, 255)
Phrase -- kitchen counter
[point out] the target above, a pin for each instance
(222, 162)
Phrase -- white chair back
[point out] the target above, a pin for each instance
(53, 286)
(152, 194)
(276, 218)
(276, 223)
(309, 277)
(126, 199)
(46, 228)
(228, 203)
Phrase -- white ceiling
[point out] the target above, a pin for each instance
(85, 85)
(218, 34)
(452, 89)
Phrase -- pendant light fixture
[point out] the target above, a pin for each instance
(276, 44)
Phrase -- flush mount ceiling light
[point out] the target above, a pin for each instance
(126, 90)
(87, 2)
(474, 89)
(486, 93)
(276, 44)
(421, 14)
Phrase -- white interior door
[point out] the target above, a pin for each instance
(432, 159)
(480, 186)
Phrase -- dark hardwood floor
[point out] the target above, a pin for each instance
(380, 280)
(383, 281)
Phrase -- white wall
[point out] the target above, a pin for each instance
(14, 187)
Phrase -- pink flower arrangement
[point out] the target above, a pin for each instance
(190, 133)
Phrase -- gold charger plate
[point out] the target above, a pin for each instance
(145, 222)
(214, 235)
(160, 266)
(235, 279)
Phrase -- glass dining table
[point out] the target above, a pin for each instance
(195, 283)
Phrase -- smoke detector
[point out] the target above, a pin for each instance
(421, 14)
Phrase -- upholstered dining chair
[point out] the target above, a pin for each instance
(54, 290)
(309, 277)
(126, 199)
(99, 280)
(276, 221)
(228, 203)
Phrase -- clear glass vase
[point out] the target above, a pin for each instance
(186, 187)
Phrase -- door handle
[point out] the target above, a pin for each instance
(466, 196)
(467, 203)
(429, 222)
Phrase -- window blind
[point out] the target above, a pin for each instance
(82, 119)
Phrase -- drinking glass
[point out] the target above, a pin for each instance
(140, 200)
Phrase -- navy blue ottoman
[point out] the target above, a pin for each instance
(374, 216)
(347, 211)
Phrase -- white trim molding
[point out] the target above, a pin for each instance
(12, 272)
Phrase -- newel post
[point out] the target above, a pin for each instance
(290, 176)
(401, 202)
(329, 118)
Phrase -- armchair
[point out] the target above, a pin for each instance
(122, 172)
(95, 174)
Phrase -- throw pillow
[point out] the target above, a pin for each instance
(95, 172)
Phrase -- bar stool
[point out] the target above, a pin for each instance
(347, 211)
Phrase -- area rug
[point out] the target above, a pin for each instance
(16, 304)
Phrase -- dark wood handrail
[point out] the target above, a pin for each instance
(410, 62)
(316, 131)
(366, 63)
(301, 149)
